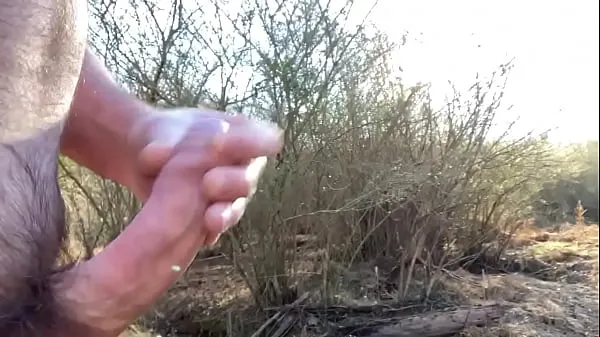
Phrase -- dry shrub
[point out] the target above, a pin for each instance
(418, 186)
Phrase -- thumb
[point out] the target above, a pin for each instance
(153, 157)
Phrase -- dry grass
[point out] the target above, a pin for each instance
(542, 308)
(574, 249)
(567, 306)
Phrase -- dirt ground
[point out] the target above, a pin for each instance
(561, 300)
(554, 294)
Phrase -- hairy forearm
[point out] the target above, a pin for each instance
(100, 120)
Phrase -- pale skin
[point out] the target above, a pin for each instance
(194, 169)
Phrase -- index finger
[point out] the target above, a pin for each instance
(245, 141)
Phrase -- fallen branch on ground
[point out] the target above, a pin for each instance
(430, 324)
(281, 314)
(384, 321)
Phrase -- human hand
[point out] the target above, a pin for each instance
(193, 168)
(237, 157)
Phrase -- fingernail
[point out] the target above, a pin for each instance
(233, 214)
(239, 206)
(227, 218)
(255, 169)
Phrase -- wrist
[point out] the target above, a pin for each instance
(100, 121)
(99, 138)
